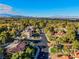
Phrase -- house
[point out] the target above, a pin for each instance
(67, 46)
(15, 46)
(76, 55)
(64, 29)
(61, 57)
(27, 32)
(59, 32)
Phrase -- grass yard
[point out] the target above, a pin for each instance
(53, 50)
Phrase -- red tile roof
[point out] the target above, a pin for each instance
(19, 47)
(76, 54)
(62, 57)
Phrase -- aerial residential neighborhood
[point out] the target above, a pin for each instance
(39, 39)
(39, 29)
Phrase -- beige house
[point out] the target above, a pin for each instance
(27, 33)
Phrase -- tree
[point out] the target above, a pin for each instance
(3, 37)
(15, 56)
(32, 22)
(13, 33)
(38, 30)
(1, 50)
(42, 23)
(75, 45)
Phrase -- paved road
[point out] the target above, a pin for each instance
(1, 56)
(43, 48)
(42, 54)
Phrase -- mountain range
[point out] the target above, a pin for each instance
(6, 15)
(20, 16)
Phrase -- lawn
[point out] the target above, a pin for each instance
(53, 50)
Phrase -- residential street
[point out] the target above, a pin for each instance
(44, 52)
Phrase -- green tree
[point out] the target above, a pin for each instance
(75, 45)
(15, 56)
(1, 50)
(3, 37)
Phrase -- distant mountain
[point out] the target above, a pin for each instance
(53, 17)
(6, 15)
(12, 15)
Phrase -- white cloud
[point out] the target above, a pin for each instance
(6, 9)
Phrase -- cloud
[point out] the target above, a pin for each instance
(6, 9)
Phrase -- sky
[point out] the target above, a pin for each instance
(42, 8)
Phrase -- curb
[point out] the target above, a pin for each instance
(38, 50)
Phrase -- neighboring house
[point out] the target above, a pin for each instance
(61, 57)
(30, 27)
(30, 33)
(59, 32)
(67, 46)
(60, 29)
(27, 32)
(15, 46)
(76, 55)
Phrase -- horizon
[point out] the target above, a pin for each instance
(45, 8)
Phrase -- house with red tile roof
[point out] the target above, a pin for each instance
(59, 32)
(16, 46)
(61, 57)
(76, 55)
